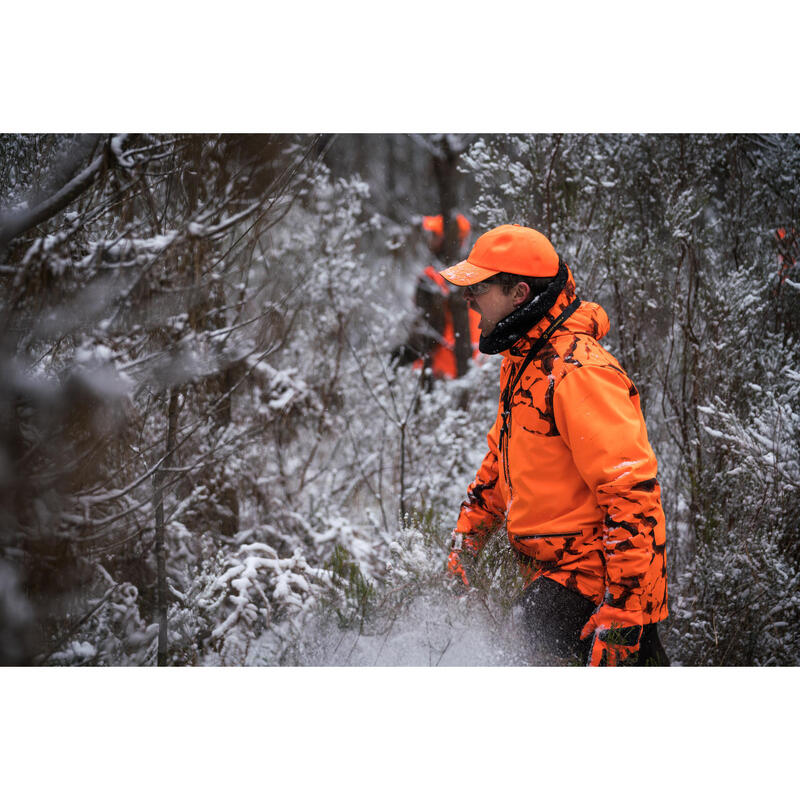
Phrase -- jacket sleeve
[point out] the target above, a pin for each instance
(484, 510)
(599, 418)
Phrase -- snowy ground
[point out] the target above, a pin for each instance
(432, 631)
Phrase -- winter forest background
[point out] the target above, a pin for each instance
(206, 456)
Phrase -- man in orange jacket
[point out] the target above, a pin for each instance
(432, 341)
(569, 470)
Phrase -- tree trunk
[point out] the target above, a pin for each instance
(444, 168)
(161, 551)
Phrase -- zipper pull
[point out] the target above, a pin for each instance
(504, 429)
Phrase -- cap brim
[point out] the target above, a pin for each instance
(466, 274)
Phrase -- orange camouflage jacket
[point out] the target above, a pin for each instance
(574, 479)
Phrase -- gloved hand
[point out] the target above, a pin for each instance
(615, 632)
(461, 545)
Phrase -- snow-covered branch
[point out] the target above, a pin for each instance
(13, 225)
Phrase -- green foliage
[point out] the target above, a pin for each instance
(359, 594)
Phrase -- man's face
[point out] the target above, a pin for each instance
(493, 304)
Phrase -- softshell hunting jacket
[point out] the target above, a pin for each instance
(574, 479)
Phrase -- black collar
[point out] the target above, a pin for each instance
(522, 319)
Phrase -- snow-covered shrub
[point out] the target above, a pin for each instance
(738, 605)
(413, 615)
(112, 633)
(259, 592)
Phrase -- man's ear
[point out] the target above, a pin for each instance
(521, 293)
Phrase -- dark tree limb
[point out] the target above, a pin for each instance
(13, 225)
(445, 160)
(160, 544)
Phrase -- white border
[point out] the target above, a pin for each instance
(356, 66)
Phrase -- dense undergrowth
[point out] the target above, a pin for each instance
(200, 424)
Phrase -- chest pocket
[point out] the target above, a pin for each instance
(532, 409)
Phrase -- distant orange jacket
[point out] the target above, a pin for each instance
(443, 354)
(575, 481)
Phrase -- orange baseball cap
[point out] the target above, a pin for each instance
(509, 248)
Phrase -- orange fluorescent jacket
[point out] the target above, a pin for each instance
(575, 482)
(443, 355)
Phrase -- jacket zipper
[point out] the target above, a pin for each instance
(506, 436)
(511, 385)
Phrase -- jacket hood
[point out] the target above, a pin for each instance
(589, 318)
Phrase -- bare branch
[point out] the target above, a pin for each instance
(13, 225)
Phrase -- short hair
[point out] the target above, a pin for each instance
(508, 280)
